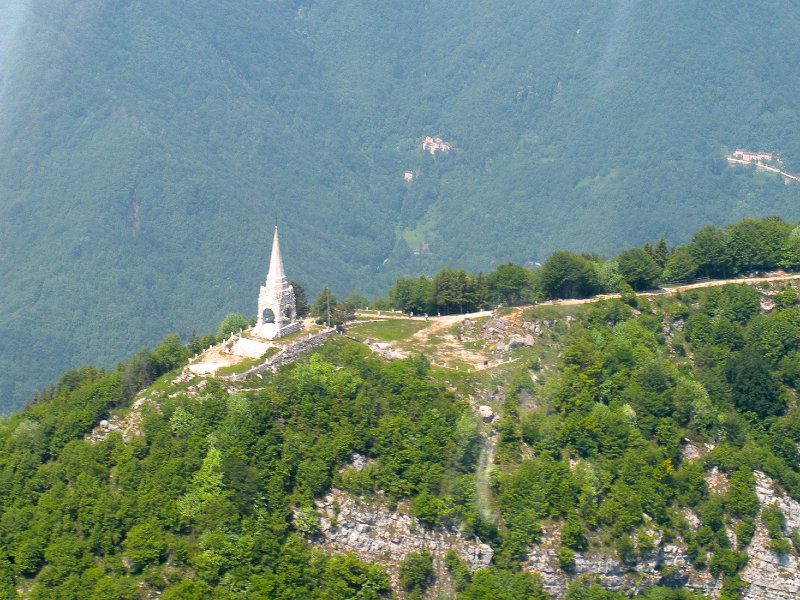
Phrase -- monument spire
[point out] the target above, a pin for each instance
(277, 310)
(275, 275)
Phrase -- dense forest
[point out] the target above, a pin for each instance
(146, 148)
(213, 492)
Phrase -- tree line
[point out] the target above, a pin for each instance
(748, 246)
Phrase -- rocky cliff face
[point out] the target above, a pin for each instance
(373, 532)
(668, 565)
(772, 576)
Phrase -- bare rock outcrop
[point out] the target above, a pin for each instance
(128, 426)
(373, 533)
(771, 576)
(667, 565)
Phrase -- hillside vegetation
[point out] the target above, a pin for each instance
(146, 148)
(212, 488)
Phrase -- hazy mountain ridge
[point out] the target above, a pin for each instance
(147, 148)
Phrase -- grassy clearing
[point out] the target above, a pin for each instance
(240, 367)
(476, 345)
(460, 366)
(247, 363)
(463, 382)
(391, 330)
(550, 311)
(435, 340)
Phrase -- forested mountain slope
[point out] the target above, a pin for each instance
(651, 444)
(146, 148)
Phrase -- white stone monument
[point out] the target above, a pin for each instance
(277, 313)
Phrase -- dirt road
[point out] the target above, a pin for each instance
(669, 291)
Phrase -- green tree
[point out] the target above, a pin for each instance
(188, 590)
(709, 248)
(776, 334)
(499, 584)
(344, 312)
(300, 300)
(790, 252)
(168, 355)
(573, 534)
(115, 588)
(458, 570)
(401, 294)
(638, 269)
(453, 291)
(748, 247)
(736, 302)
(145, 545)
(660, 252)
(232, 323)
(566, 275)
(347, 577)
(416, 571)
(324, 307)
(412, 295)
(680, 266)
(510, 284)
(566, 559)
(358, 301)
(207, 491)
(754, 389)
(787, 297)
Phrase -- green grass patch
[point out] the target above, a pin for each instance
(246, 364)
(463, 382)
(456, 366)
(391, 330)
(550, 311)
(476, 345)
(435, 340)
(371, 314)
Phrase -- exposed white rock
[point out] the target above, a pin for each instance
(129, 425)
(486, 413)
(357, 462)
(668, 565)
(689, 451)
(717, 481)
(520, 341)
(772, 577)
(691, 518)
(373, 533)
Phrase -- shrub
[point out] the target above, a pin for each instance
(416, 571)
(566, 559)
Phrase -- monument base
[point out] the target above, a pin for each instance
(272, 331)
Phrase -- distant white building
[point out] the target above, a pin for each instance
(748, 156)
(434, 145)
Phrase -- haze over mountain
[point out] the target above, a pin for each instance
(146, 148)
